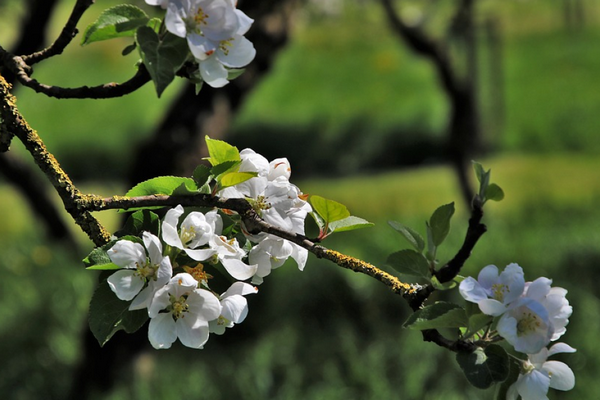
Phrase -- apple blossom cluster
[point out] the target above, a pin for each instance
(183, 305)
(215, 31)
(531, 315)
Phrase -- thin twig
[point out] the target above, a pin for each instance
(65, 37)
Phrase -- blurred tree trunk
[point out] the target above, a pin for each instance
(463, 139)
(28, 180)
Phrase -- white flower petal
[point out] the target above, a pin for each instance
(488, 276)
(561, 376)
(472, 291)
(190, 333)
(239, 52)
(200, 254)
(169, 227)
(127, 254)
(153, 246)
(204, 304)
(560, 348)
(235, 308)
(491, 307)
(238, 269)
(213, 72)
(126, 284)
(161, 331)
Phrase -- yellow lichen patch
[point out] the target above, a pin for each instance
(358, 265)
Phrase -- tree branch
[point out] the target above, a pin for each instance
(67, 34)
(14, 123)
(22, 71)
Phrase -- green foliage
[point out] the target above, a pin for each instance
(484, 367)
(108, 315)
(221, 152)
(410, 262)
(332, 216)
(138, 222)
(162, 55)
(439, 223)
(165, 185)
(118, 21)
(487, 190)
(413, 237)
(436, 316)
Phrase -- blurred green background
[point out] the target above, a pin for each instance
(341, 94)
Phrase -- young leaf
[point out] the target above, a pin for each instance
(233, 178)
(483, 367)
(494, 192)
(440, 223)
(108, 314)
(118, 21)
(220, 152)
(329, 210)
(349, 224)
(98, 256)
(479, 171)
(161, 185)
(409, 234)
(437, 316)
(410, 262)
(104, 267)
(225, 167)
(162, 57)
(476, 323)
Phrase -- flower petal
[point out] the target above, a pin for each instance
(126, 284)
(161, 331)
(561, 376)
(238, 269)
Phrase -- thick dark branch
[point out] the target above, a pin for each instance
(474, 232)
(66, 35)
(423, 45)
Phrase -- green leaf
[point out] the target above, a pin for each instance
(129, 49)
(349, 224)
(494, 192)
(431, 247)
(220, 152)
(118, 21)
(409, 234)
(476, 323)
(138, 222)
(410, 262)
(162, 57)
(513, 375)
(98, 256)
(483, 367)
(329, 210)
(108, 314)
(201, 175)
(225, 168)
(233, 178)
(436, 316)
(165, 185)
(234, 73)
(105, 267)
(479, 171)
(440, 223)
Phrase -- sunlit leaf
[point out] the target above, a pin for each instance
(118, 21)
(349, 224)
(329, 210)
(220, 152)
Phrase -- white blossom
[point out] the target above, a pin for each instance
(196, 230)
(234, 307)
(492, 292)
(230, 254)
(180, 310)
(538, 375)
(140, 269)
